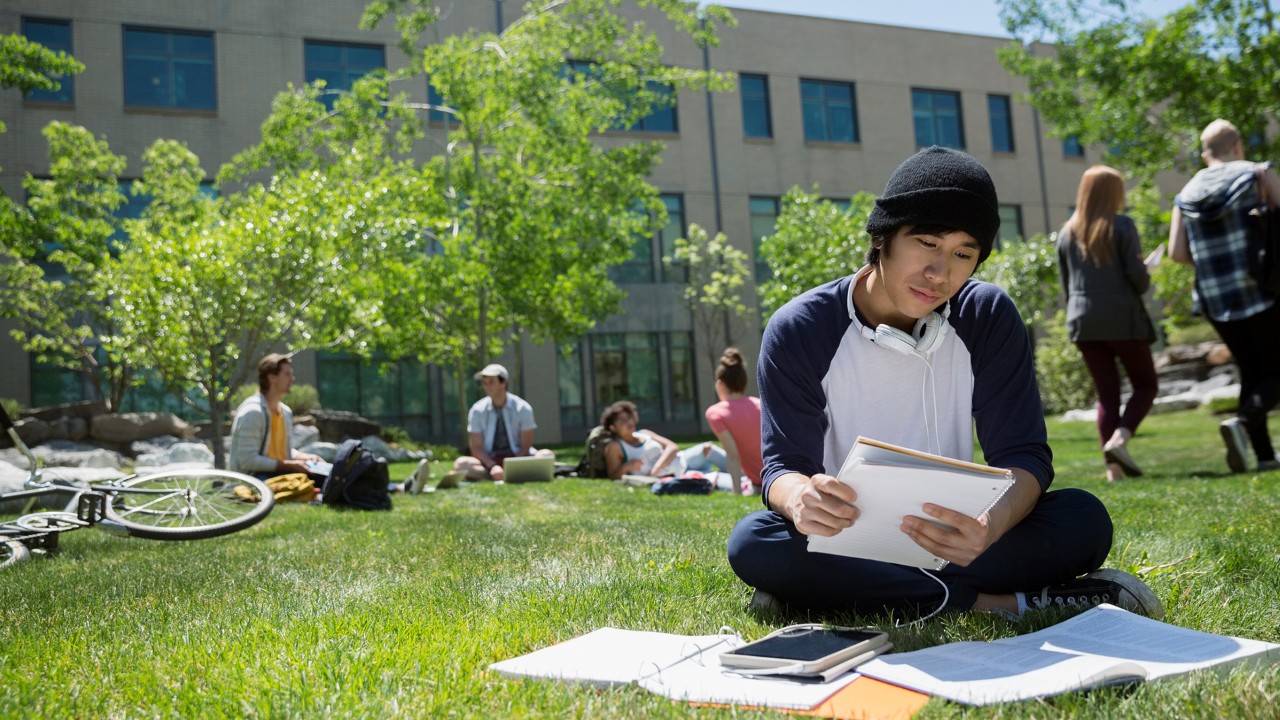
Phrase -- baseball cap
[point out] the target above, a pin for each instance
(492, 370)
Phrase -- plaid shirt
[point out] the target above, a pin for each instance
(1215, 209)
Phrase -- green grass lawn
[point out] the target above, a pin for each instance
(320, 613)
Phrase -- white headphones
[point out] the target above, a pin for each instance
(923, 339)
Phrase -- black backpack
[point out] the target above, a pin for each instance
(593, 464)
(358, 479)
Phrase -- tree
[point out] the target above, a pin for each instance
(56, 256)
(517, 217)
(713, 293)
(1028, 271)
(814, 241)
(28, 65)
(1145, 88)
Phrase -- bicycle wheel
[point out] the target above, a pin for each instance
(49, 522)
(13, 552)
(187, 504)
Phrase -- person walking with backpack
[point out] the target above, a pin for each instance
(1209, 230)
(1104, 277)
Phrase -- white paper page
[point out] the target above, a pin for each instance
(610, 656)
(1162, 649)
(320, 467)
(703, 679)
(980, 673)
(888, 493)
(888, 454)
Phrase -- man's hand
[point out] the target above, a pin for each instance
(959, 544)
(294, 465)
(817, 505)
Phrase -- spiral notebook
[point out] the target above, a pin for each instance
(893, 482)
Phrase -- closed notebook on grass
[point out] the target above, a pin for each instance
(893, 482)
(528, 469)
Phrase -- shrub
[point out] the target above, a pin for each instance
(301, 399)
(1065, 383)
(1028, 271)
(443, 453)
(11, 406)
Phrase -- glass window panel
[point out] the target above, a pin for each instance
(683, 400)
(55, 35)
(339, 64)
(338, 382)
(936, 115)
(755, 106)
(434, 98)
(1001, 117)
(1071, 146)
(169, 69)
(667, 237)
(1010, 225)
(318, 53)
(572, 395)
(764, 218)
(365, 57)
(829, 111)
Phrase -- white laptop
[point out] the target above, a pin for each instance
(528, 469)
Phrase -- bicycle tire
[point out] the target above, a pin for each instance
(13, 552)
(203, 504)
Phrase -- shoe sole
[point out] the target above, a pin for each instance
(1125, 462)
(1141, 599)
(1235, 460)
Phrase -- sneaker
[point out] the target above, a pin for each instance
(763, 603)
(1103, 586)
(1118, 453)
(450, 480)
(420, 478)
(1237, 441)
(1265, 465)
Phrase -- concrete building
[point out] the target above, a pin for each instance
(828, 102)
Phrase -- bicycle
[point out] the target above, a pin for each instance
(187, 504)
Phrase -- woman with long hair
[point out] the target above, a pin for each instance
(1104, 277)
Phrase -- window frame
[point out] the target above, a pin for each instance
(1006, 125)
(824, 85)
(331, 91)
(935, 130)
(171, 57)
(67, 82)
(762, 98)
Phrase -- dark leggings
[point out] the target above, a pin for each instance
(1067, 534)
(1255, 343)
(1135, 355)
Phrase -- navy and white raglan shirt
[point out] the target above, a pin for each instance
(823, 382)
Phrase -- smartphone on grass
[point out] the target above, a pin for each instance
(805, 649)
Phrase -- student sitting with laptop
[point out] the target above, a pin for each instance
(499, 426)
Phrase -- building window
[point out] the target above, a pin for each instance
(434, 99)
(648, 251)
(340, 64)
(1010, 225)
(653, 370)
(1071, 147)
(764, 219)
(830, 111)
(662, 117)
(395, 393)
(55, 35)
(756, 121)
(1001, 115)
(169, 69)
(937, 118)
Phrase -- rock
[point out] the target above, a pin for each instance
(12, 478)
(128, 427)
(68, 427)
(167, 467)
(338, 425)
(33, 431)
(326, 450)
(181, 452)
(1219, 355)
(305, 435)
(1185, 401)
(1090, 415)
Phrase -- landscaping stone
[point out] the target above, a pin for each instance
(305, 435)
(181, 452)
(338, 425)
(129, 427)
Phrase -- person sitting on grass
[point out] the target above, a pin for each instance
(736, 422)
(911, 350)
(636, 452)
(499, 425)
(262, 427)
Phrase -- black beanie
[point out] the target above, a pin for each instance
(940, 186)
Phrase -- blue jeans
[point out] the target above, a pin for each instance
(1067, 534)
(695, 460)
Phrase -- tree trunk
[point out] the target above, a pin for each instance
(217, 411)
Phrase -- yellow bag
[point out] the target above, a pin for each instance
(294, 486)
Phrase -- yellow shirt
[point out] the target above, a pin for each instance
(277, 442)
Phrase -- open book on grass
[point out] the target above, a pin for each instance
(893, 482)
(1103, 646)
(680, 667)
